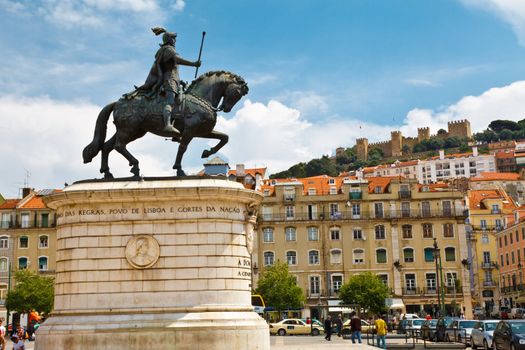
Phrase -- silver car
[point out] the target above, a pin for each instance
(481, 335)
(459, 330)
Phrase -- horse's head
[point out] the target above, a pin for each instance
(236, 89)
(217, 85)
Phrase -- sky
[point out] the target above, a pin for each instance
(320, 75)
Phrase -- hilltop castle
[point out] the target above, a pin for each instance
(394, 147)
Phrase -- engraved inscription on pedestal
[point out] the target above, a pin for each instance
(142, 251)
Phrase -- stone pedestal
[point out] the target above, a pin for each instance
(155, 264)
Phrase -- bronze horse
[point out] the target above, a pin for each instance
(197, 116)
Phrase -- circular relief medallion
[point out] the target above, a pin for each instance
(142, 251)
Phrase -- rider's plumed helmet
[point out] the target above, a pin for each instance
(167, 37)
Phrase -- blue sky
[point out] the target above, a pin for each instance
(316, 70)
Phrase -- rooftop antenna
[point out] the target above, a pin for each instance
(26, 178)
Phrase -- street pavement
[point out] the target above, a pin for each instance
(308, 342)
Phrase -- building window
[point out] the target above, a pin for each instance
(505, 239)
(377, 189)
(450, 254)
(510, 236)
(42, 263)
(429, 254)
(356, 211)
(337, 282)
(4, 242)
(485, 238)
(24, 220)
(380, 232)
(502, 260)
(428, 231)
(500, 245)
(313, 257)
(269, 258)
(488, 275)
(290, 233)
(23, 242)
(431, 282)
(268, 235)
(333, 190)
(358, 233)
(44, 220)
(22, 263)
(43, 241)
(523, 233)
(291, 258)
(483, 224)
(334, 211)
(407, 231)
(448, 230)
(447, 208)
(335, 234)
(267, 213)
(486, 257)
(381, 256)
(336, 256)
(410, 282)
(425, 209)
(408, 255)
(452, 278)
(4, 264)
(313, 233)
(315, 284)
(312, 212)
(405, 209)
(290, 212)
(6, 220)
(383, 278)
(312, 191)
(378, 210)
(359, 256)
(512, 257)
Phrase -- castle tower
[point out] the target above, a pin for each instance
(396, 143)
(423, 134)
(362, 148)
(460, 128)
(339, 151)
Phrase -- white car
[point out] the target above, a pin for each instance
(408, 316)
(481, 335)
(460, 330)
(415, 323)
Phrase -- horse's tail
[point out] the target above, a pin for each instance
(91, 150)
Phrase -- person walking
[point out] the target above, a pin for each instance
(381, 332)
(328, 328)
(339, 323)
(355, 328)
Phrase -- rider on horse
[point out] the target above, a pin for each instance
(164, 75)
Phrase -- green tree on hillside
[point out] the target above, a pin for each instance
(31, 292)
(321, 166)
(499, 125)
(505, 134)
(365, 290)
(279, 288)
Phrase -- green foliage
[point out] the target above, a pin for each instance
(442, 132)
(31, 292)
(365, 290)
(375, 154)
(347, 157)
(505, 134)
(434, 143)
(296, 171)
(486, 136)
(405, 149)
(321, 166)
(521, 124)
(500, 125)
(279, 289)
(418, 147)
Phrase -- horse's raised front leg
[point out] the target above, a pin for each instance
(120, 146)
(106, 148)
(223, 139)
(183, 146)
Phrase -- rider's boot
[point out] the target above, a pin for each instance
(167, 121)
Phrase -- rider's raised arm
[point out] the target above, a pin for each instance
(184, 62)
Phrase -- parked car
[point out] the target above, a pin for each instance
(509, 335)
(428, 329)
(501, 312)
(365, 327)
(414, 325)
(516, 313)
(409, 316)
(479, 311)
(460, 330)
(482, 334)
(295, 326)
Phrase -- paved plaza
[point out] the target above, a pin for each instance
(307, 342)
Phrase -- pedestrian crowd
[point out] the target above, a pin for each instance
(380, 328)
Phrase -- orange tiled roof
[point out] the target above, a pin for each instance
(9, 204)
(502, 155)
(435, 187)
(454, 155)
(476, 198)
(33, 203)
(369, 169)
(319, 183)
(381, 181)
(490, 176)
(511, 218)
(251, 172)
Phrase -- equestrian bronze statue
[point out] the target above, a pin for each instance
(163, 107)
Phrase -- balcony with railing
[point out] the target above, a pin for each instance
(289, 197)
(315, 293)
(405, 194)
(487, 228)
(489, 284)
(364, 215)
(489, 265)
(355, 195)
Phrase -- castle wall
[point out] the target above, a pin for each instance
(459, 128)
(383, 146)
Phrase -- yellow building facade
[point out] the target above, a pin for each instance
(330, 228)
(488, 210)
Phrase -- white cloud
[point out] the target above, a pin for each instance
(421, 82)
(510, 11)
(305, 101)
(179, 5)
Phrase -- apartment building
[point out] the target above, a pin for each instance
(407, 169)
(511, 259)
(512, 183)
(27, 236)
(488, 212)
(330, 228)
(450, 166)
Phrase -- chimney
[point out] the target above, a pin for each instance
(441, 154)
(475, 151)
(26, 191)
(240, 170)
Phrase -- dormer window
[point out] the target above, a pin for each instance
(266, 193)
(333, 190)
(331, 181)
(312, 191)
(377, 189)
